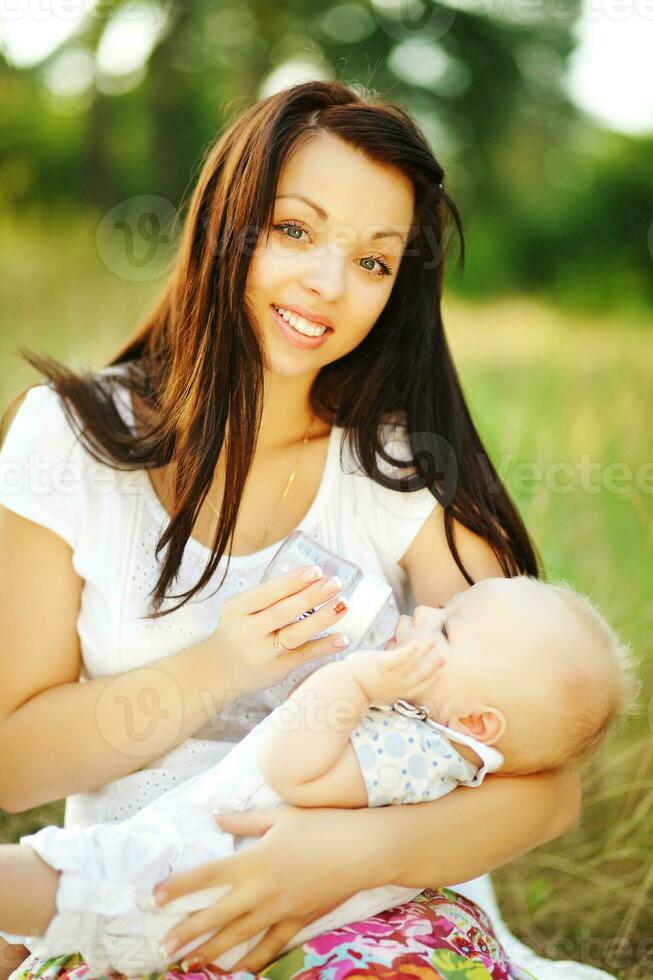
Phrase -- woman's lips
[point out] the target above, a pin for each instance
(298, 339)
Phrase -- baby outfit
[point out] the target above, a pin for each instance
(109, 870)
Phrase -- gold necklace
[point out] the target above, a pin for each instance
(259, 540)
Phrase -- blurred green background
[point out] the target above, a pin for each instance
(102, 133)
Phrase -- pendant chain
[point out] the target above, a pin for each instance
(260, 539)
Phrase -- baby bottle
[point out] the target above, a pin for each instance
(372, 616)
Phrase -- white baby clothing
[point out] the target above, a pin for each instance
(112, 521)
(109, 871)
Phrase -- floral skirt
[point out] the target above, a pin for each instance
(437, 934)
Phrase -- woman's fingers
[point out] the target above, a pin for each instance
(250, 823)
(211, 919)
(297, 634)
(278, 936)
(270, 946)
(238, 931)
(282, 614)
(273, 590)
(194, 880)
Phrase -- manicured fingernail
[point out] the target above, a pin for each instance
(158, 899)
(168, 948)
(312, 574)
(341, 641)
(192, 964)
(332, 585)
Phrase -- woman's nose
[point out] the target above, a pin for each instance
(326, 275)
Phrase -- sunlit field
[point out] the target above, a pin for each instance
(565, 407)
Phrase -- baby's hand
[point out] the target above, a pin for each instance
(408, 671)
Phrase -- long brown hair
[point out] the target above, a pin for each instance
(197, 361)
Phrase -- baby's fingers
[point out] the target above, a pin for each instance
(428, 668)
(404, 658)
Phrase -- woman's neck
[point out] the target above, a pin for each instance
(286, 413)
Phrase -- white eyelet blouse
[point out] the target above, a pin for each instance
(113, 519)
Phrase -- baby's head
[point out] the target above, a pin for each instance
(531, 668)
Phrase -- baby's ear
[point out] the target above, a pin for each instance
(486, 725)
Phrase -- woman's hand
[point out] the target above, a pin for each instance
(300, 869)
(244, 635)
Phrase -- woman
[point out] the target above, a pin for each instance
(217, 422)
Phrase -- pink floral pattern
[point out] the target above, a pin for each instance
(438, 934)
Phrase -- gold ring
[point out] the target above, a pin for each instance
(278, 645)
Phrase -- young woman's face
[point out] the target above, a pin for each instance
(328, 264)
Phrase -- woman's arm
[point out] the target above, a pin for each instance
(474, 830)
(100, 730)
(95, 731)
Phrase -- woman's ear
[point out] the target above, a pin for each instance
(486, 725)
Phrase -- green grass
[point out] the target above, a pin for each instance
(545, 389)
(548, 390)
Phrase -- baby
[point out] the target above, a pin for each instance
(511, 676)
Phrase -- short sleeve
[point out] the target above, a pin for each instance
(396, 516)
(41, 465)
(402, 760)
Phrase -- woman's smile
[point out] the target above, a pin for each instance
(293, 336)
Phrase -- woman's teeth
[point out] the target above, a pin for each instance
(300, 324)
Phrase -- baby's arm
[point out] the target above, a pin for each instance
(307, 758)
(29, 888)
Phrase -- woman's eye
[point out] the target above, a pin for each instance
(285, 225)
(385, 269)
(289, 224)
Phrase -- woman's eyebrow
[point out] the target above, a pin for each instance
(321, 213)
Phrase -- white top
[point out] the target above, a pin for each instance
(113, 519)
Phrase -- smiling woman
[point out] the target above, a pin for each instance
(318, 259)
(196, 424)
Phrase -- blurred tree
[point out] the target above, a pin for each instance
(488, 91)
